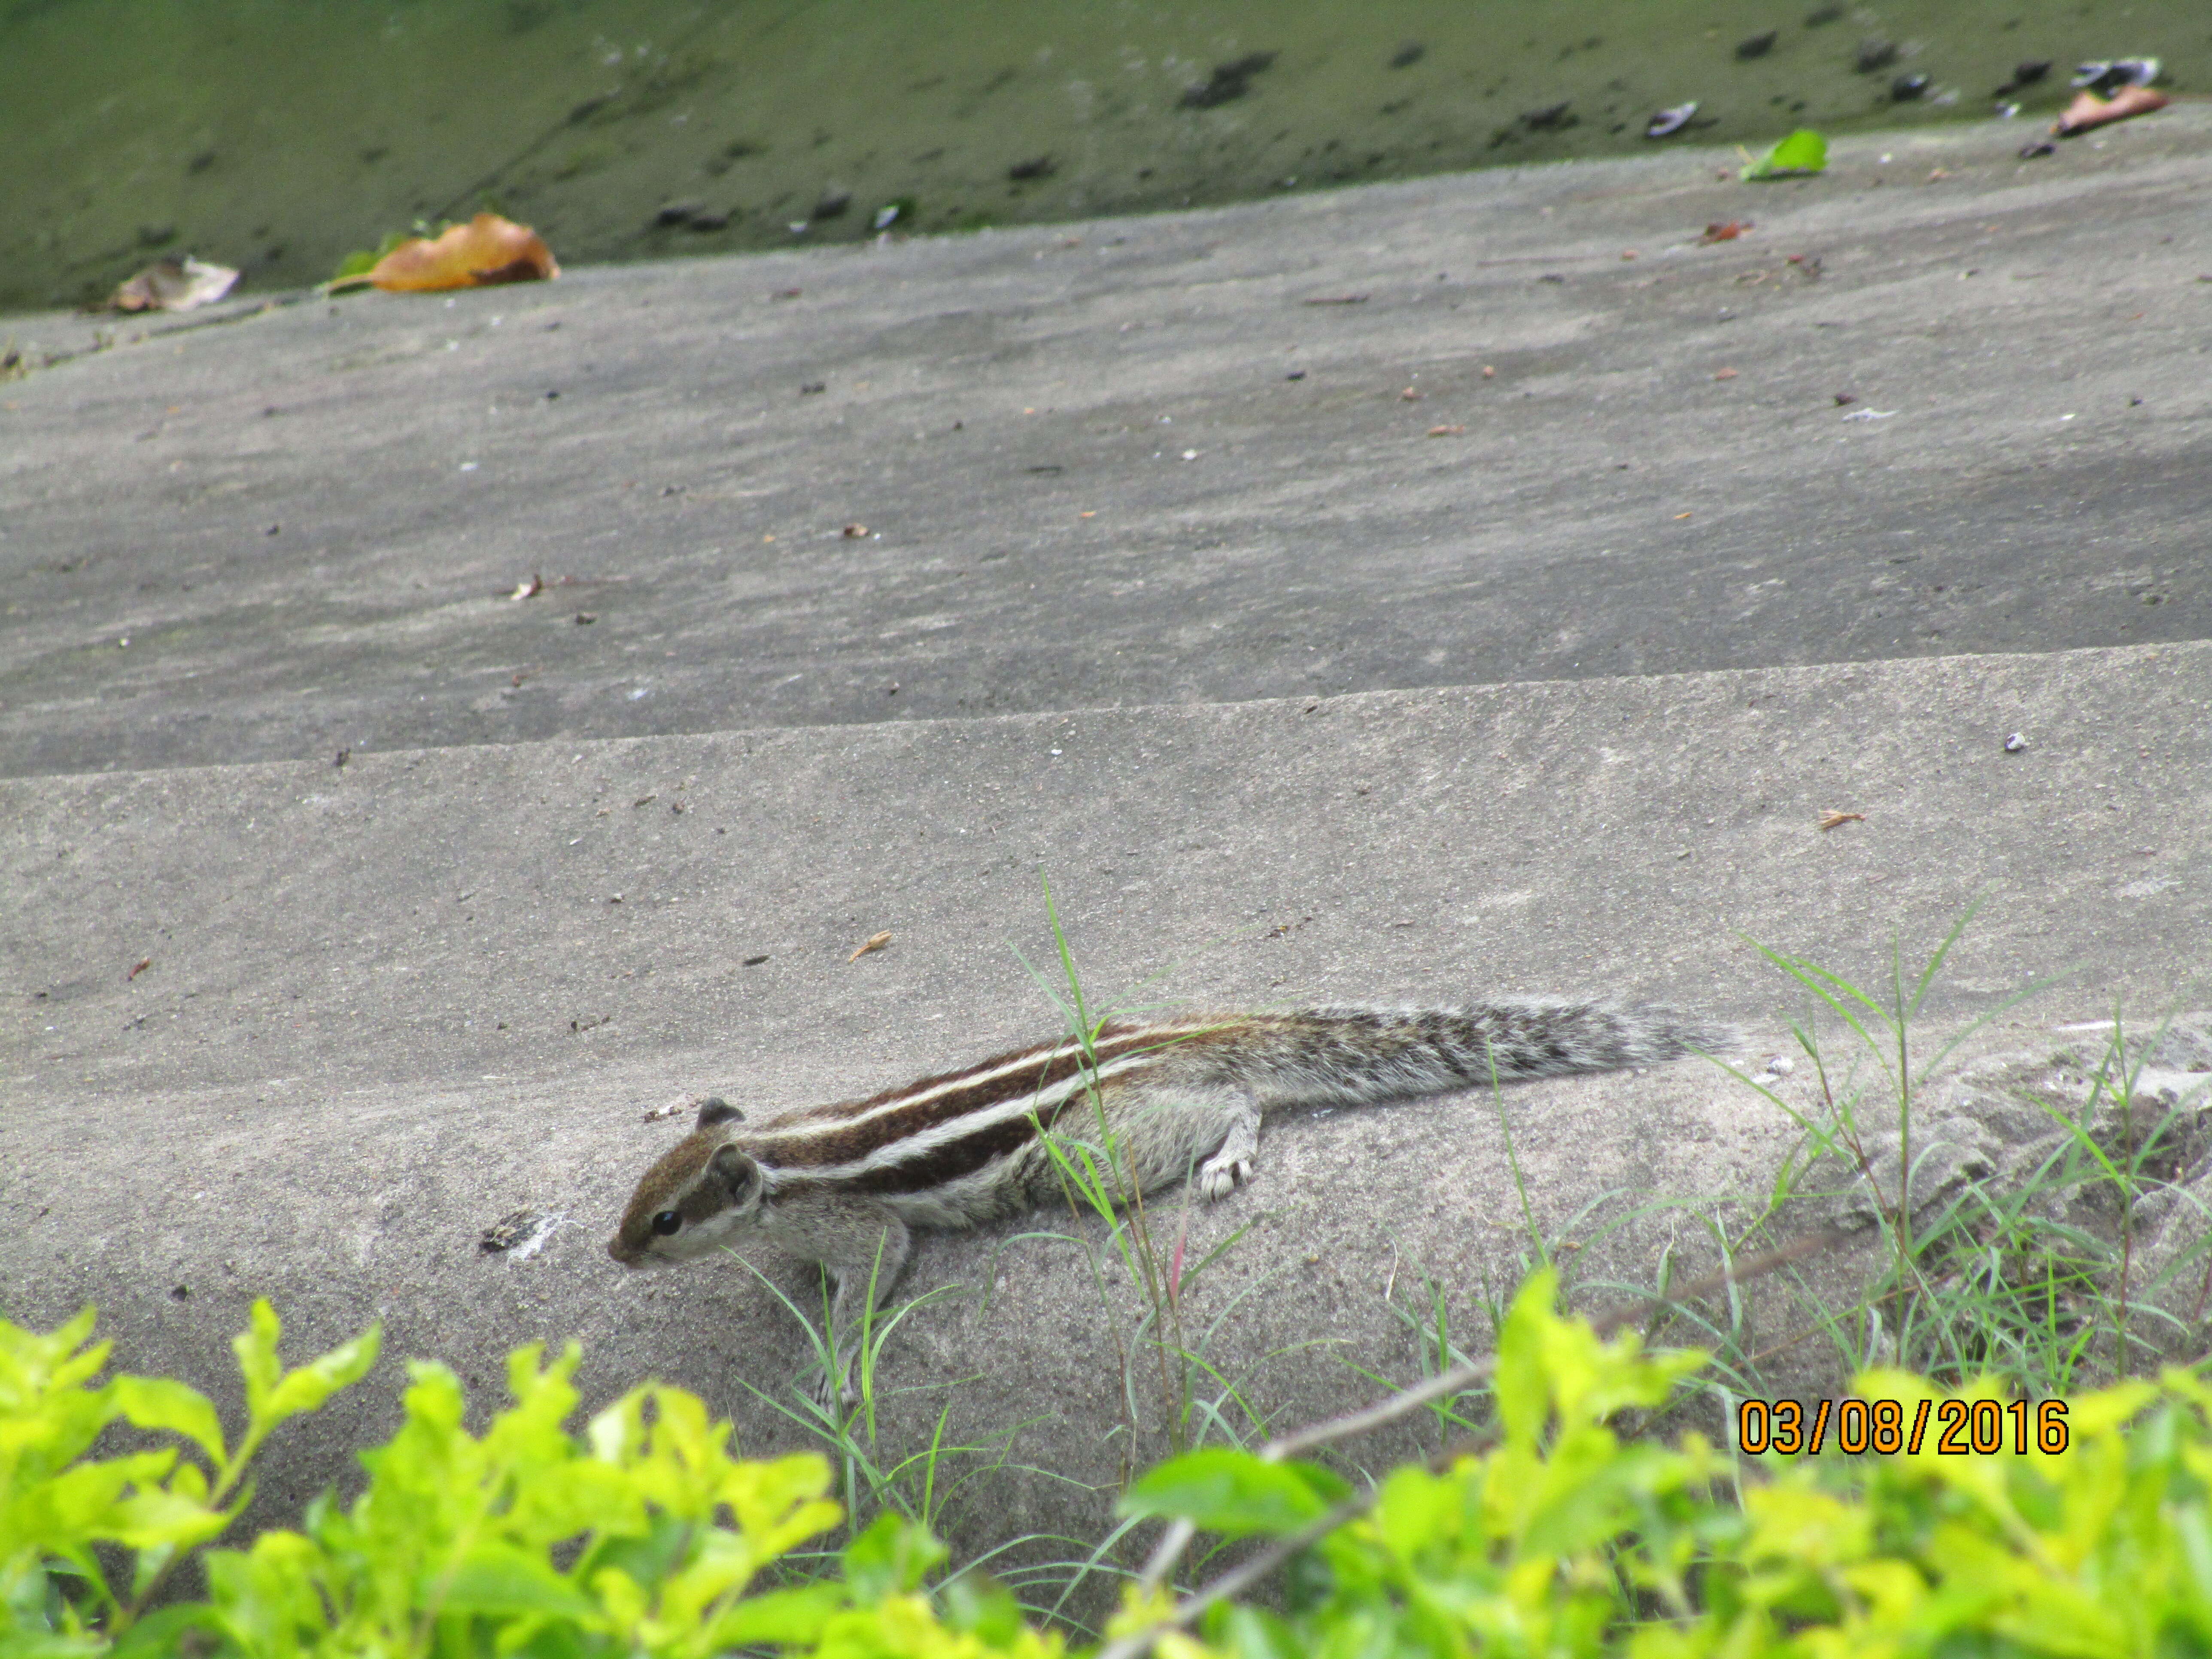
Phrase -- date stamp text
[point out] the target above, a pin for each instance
(1960, 1428)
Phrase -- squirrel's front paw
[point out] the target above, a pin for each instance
(1220, 1177)
(833, 1390)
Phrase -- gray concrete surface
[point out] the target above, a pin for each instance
(1334, 710)
(304, 522)
(384, 1005)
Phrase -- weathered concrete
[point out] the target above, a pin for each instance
(383, 1005)
(291, 1028)
(2038, 329)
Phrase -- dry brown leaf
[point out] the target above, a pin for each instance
(1717, 232)
(485, 250)
(874, 942)
(1724, 374)
(1446, 431)
(530, 589)
(145, 963)
(855, 531)
(174, 285)
(1830, 820)
(2090, 110)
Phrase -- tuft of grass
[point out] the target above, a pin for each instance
(2026, 1275)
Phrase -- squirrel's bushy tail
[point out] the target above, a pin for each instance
(1319, 1055)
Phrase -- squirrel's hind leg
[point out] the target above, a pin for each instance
(1209, 1136)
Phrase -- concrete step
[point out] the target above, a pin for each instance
(1087, 477)
(293, 1029)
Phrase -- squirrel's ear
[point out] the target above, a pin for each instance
(717, 1110)
(738, 1174)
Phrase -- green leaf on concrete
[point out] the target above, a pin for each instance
(1802, 152)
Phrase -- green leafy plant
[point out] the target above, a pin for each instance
(641, 1535)
(1559, 1538)
(1546, 1531)
(60, 1507)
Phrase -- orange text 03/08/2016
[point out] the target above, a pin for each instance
(1963, 1428)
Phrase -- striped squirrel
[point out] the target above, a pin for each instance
(1182, 1098)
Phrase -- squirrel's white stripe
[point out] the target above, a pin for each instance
(908, 1148)
(1029, 1061)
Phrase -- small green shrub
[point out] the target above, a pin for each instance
(642, 1535)
(1562, 1540)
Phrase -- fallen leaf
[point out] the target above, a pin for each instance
(1830, 820)
(874, 942)
(1411, 394)
(1446, 431)
(174, 285)
(530, 589)
(1802, 152)
(1717, 232)
(675, 1107)
(1679, 517)
(2088, 111)
(1724, 374)
(646, 800)
(1488, 371)
(485, 250)
(145, 963)
(855, 531)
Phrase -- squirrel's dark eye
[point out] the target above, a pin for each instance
(666, 1223)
